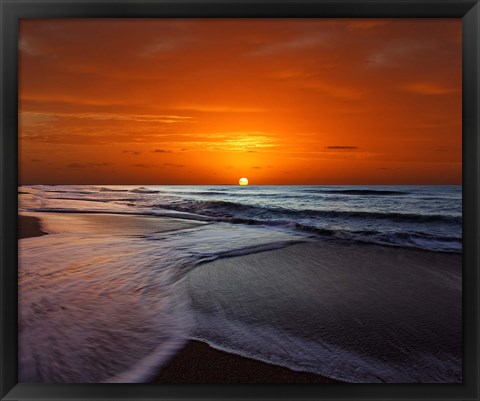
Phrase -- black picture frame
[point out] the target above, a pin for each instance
(13, 10)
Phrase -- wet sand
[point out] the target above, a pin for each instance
(359, 313)
(197, 362)
(29, 226)
(397, 311)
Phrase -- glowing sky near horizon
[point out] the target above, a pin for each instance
(207, 101)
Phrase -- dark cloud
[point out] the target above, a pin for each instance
(256, 167)
(162, 151)
(37, 160)
(77, 165)
(132, 152)
(140, 165)
(85, 165)
(173, 165)
(341, 147)
(442, 149)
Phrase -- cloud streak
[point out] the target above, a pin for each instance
(428, 88)
(165, 119)
(303, 42)
(86, 165)
(173, 165)
(342, 147)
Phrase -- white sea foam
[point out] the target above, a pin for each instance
(349, 312)
(100, 302)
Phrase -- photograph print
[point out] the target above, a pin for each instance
(240, 201)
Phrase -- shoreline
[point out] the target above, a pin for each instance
(198, 362)
(386, 296)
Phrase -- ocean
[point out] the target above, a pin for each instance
(424, 217)
(122, 281)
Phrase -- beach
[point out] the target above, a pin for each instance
(312, 312)
(197, 362)
(221, 200)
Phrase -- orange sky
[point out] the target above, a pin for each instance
(204, 101)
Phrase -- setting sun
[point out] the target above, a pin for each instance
(243, 181)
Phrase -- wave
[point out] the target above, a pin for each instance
(206, 193)
(103, 189)
(68, 191)
(357, 192)
(438, 231)
(405, 239)
(98, 200)
(143, 190)
(127, 315)
(236, 210)
(418, 240)
(173, 214)
(237, 194)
